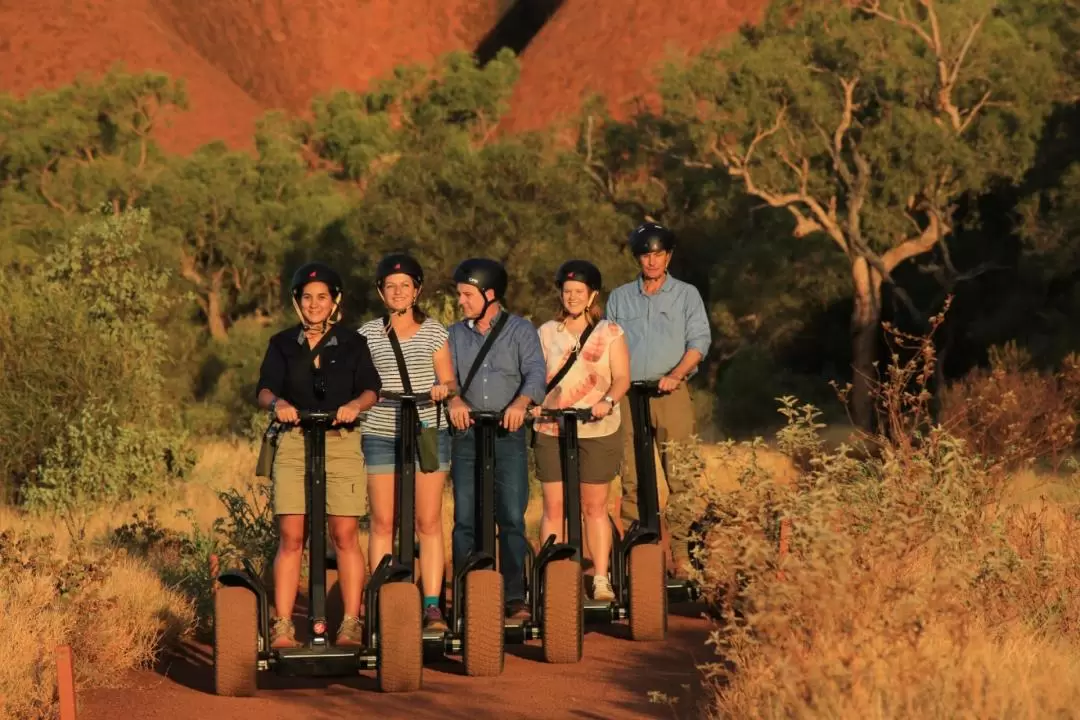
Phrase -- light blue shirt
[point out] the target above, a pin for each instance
(659, 328)
(514, 365)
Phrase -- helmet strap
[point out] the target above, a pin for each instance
(332, 319)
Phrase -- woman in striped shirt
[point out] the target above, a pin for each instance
(424, 348)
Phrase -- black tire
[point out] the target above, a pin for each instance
(236, 641)
(484, 639)
(648, 593)
(401, 642)
(563, 612)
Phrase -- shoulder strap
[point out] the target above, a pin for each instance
(483, 352)
(402, 370)
(570, 360)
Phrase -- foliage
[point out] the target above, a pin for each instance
(1013, 414)
(907, 582)
(82, 353)
(66, 152)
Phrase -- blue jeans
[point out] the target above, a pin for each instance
(511, 499)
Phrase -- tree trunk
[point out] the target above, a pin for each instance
(865, 324)
(214, 315)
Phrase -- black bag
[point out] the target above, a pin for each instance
(427, 438)
(265, 464)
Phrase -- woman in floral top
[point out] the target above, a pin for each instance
(597, 380)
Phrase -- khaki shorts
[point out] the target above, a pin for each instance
(346, 474)
(599, 458)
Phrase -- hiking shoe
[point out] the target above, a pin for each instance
(283, 634)
(433, 619)
(517, 610)
(601, 589)
(351, 632)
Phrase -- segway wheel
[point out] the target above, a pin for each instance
(648, 594)
(236, 641)
(563, 612)
(484, 640)
(401, 642)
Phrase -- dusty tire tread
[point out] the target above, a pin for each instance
(484, 651)
(236, 641)
(401, 642)
(648, 593)
(563, 612)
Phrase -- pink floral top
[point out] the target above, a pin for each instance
(587, 382)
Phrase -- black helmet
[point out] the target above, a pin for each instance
(399, 263)
(483, 274)
(582, 271)
(651, 237)
(316, 272)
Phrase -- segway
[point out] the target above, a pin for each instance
(392, 634)
(556, 596)
(476, 613)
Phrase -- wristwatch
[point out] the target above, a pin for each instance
(608, 400)
(273, 404)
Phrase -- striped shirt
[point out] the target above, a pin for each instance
(419, 351)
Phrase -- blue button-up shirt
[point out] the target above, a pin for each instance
(513, 366)
(659, 328)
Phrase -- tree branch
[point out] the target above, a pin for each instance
(43, 188)
(916, 245)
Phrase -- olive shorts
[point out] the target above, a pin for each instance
(346, 474)
(598, 458)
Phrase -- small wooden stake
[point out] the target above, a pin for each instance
(65, 682)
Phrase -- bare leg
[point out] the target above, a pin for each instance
(381, 499)
(287, 562)
(350, 561)
(553, 519)
(429, 528)
(597, 527)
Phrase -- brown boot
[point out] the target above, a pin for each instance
(351, 632)
(283, 634)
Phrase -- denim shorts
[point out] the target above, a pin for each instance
(381, 453)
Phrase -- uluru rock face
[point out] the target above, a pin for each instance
(285, 52)
(613, 47)
(238, 57)
(45, 44)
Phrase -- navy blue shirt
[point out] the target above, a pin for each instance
(514, 365)
(345, 369)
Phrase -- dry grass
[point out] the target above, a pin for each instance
(922, 580)
(114, 612)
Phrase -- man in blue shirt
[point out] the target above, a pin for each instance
(512, 376)
(667, 332)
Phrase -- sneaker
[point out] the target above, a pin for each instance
(433, 619)
(601, 589)
(283, 634)
(517, 610)
(351, 632)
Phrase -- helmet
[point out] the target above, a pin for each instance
(316, 272)
(483, 274)
(582, 271)
(399, 263)
(651, 237)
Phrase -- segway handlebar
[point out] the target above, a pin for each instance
(317, 416)
(582, 414)
(650, 387)
(420, 399)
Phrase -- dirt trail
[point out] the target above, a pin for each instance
(612, 681)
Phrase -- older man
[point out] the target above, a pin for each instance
(667, 332)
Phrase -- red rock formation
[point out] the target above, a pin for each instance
(613, 47)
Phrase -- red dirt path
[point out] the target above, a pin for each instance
(612, 681)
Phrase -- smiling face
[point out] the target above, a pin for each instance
(399, 292)
(575, 297)
(654, 264)
(471, 301)
(316, 303)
